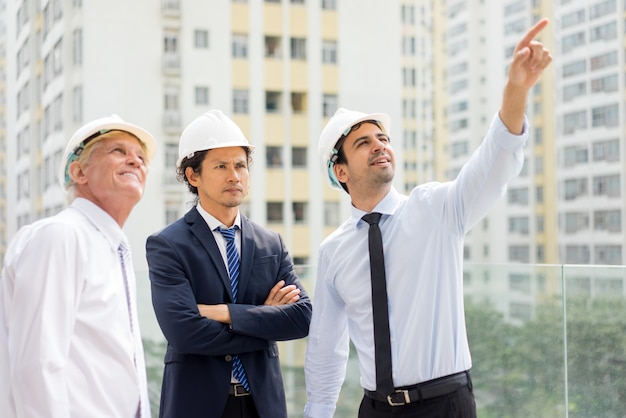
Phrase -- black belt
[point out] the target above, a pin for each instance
(425, 390)
(237, 390)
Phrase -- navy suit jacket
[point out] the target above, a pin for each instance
(186, 269)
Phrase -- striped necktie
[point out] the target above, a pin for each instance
(233, 271)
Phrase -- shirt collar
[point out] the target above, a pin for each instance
(212, 221)
(101, 220)
(387, 206)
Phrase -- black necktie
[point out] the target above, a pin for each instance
(382, 340)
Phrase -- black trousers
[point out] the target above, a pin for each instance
(240, 407)
(459, 404)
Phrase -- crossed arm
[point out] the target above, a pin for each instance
(279, 295)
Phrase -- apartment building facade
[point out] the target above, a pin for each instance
(280, 68)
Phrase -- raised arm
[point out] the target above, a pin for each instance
(529, 60)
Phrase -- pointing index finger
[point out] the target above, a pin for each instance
(532, 33)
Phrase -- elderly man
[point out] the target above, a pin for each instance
(70, 344)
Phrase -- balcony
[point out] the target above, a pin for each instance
(546, 341)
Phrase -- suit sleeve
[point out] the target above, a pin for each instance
(276, 323)
(176, 308)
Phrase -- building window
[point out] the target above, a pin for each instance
(298, 102)
(300, 212)
(608, 220)
(77, 104)
(201, 95)
(603, 32)
(602, 9)
(272, 101)
(608, 254)
(572, 41)
(573, 222)
(274, 157)
(605, 84)
(577, 254)
(603, 61)
(539, 224)
(329, 105)
(607, 150)
(574, 121)
(77, 47)
(329, 52)
(298, 157)
(408, 14)
(170, 43)
(240, 101)
(574, 155)
(519, 225)
(575, 188)
(201, 38)
(518, 196)
(607, 186)
(274, 212)
(408, 45)
(298, 48)
(605, 116)
(171, 116)
(539, 194)
(240, 45)
(273, 47)
(171, 212)
(538, 135)
(408, 77)
(171, 155)
(457, 86)
(573, 18)
(574, 68)
(329, 4)
(573, 91)
(519, 253)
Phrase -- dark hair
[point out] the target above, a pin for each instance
(195, 162)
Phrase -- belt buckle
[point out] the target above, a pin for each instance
(239, 390)
(400, 400)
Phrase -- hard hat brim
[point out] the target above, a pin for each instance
(214, 146)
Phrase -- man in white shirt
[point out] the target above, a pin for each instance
(70, 344)
(427, 353)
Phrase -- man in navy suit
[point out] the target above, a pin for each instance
(222, 303)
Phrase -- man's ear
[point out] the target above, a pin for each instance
(340, 172)
(192, 176)
(77, 174)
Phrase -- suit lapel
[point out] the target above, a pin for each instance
(199, 228)
(247, 255)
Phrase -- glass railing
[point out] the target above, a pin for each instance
(546, 341)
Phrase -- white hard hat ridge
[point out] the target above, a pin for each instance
(212, 129)
(97, 127)
(339, 125)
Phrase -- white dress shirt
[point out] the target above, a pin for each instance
(423, 245)
(66, 348)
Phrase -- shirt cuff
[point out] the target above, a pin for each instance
(317, 410)
(506, 139)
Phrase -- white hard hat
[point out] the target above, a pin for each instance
(92, 130)
(338, 126)
(212, 129)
